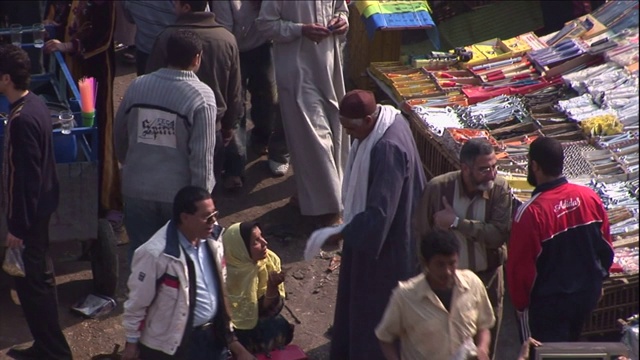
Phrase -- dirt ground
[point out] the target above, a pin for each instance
(311, 287)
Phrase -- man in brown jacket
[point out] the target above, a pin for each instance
(475, 204)
(220, 69)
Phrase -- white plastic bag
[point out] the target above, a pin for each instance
(13, 264)
(467, 350)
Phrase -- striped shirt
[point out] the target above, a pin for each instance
(150, 17)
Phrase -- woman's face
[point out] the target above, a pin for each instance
(258, 245)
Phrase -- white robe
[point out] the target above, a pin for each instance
(310, 87)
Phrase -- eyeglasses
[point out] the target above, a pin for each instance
(210, 219)
(489, 169)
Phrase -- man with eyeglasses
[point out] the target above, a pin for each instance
(475, 204)
(177, 306)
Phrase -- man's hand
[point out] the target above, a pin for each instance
(50, 22)
(14, 242)
(444, 218)
(227, 136)
(130, 352)
(338, 26)
(483, 354)
(276, 278)
(239, 352)
(525, 348)
(55, 45)
(315, 32)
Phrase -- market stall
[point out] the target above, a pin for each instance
(579, 85)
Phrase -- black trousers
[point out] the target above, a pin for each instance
(258, 78)
(559, 318)
(141, 62)
(37, 294)
(201, 345)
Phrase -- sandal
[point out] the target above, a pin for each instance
(128, 57)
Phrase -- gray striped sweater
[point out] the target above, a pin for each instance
(164, 135)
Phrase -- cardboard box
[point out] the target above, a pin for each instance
(597, 29)
(521, 44)
(553, 71)
(486, 51)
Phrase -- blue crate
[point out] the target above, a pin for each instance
(418, 19)
(65, 148)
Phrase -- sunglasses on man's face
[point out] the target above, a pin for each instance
(211, 218)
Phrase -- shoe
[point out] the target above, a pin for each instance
(128, 57)
(293, 201)
(258, 144)
(115, 219)
(278, 169)
(232, 183)
(26, 353)
(260, 149)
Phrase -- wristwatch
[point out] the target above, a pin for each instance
(455, 222)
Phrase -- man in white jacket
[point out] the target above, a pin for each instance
(177, 305)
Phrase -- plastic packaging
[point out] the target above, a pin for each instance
(466, 351)
(13, 264)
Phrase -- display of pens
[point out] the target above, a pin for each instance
(559, 52)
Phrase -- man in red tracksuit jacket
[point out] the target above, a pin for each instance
(559, 251)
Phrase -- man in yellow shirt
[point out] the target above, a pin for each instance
(433, 314)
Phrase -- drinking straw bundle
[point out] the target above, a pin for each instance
(88, 90)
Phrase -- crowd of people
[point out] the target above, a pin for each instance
(424, 263)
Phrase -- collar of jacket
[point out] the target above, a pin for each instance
(197, 19)
(172, 247)
(550, 185)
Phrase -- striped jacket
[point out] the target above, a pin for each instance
(165, 134)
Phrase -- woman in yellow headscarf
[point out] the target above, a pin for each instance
(255, 289)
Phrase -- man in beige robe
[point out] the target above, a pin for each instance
(307, 39)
